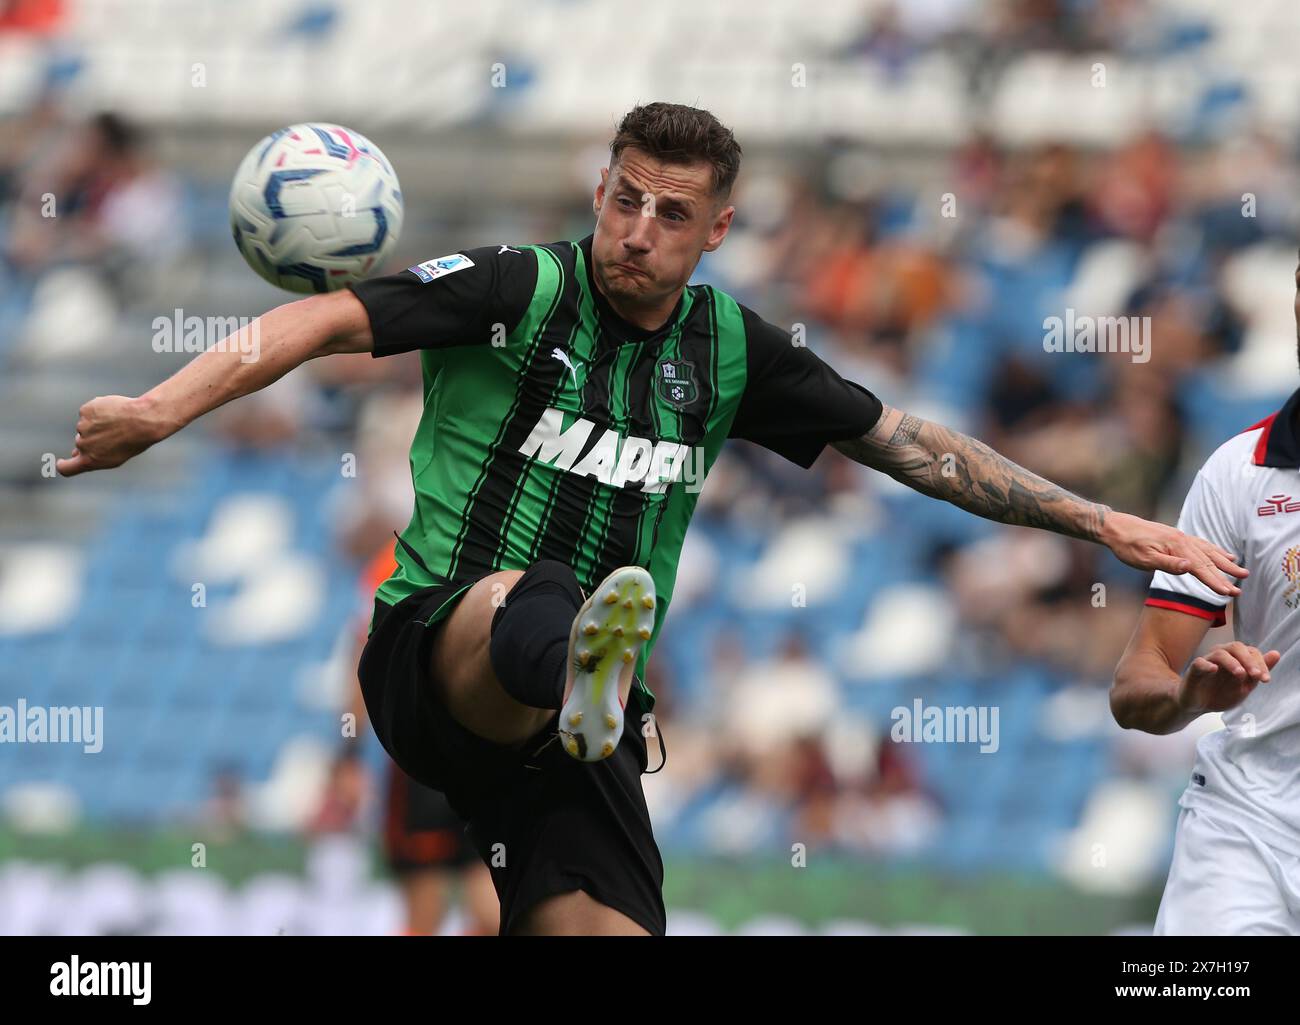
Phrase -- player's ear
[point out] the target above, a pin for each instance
(721, 225)
(600, 190)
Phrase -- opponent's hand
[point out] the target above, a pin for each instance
(1224, 677)
(1154, 546)
(110, 430)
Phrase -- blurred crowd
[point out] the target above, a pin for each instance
(880, 282)
(85, 192)
(987, 36)
(929, 288)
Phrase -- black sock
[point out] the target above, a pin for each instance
(530, 634)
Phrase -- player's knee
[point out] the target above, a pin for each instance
(530, 633)
(551, 571)
(546, 576)
(492, 589)
(458, 644)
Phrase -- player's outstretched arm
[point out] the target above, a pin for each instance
(943, 463)
(1148, 692)
(113, 428)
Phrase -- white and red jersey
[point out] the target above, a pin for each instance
(1246, 498)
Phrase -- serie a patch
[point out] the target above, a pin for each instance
(431, 270)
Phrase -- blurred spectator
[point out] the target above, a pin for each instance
(885, 41)
(889, 813)
(225, 814)
(345, 794)
(776, 702)
(382, 498)
(25, 140)
(100, 198)
(1133, 193)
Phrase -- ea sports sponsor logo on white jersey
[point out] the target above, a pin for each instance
(614, 459)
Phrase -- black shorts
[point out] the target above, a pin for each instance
(543, 822)
(421, 830)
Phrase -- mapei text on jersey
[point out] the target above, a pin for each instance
(614, 459)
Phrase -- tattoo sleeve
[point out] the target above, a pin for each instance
(943, 463)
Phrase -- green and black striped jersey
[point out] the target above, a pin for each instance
(554, 429)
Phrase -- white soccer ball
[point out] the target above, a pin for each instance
(314, 207)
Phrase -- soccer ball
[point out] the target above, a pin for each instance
(315, 207)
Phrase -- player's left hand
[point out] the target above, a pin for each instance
(1154, 546)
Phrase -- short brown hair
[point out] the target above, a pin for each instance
(679, 134)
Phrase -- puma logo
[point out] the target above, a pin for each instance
(563, 357)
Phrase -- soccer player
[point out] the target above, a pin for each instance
(1236, 866)
(576, 394)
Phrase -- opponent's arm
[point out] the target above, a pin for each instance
(943, 463)
(113, 428)
(1148, 692)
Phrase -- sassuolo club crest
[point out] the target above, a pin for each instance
(676, 382)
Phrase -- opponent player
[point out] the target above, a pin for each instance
(576, 395)
(1236, 867)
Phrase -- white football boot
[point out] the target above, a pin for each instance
(604, 645)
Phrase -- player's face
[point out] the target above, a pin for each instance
(654, 221)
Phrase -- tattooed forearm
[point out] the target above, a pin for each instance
(945, 464)
(908, 428)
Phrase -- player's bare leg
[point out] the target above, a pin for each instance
(503, 679)
(462, 667)
(425, 896)
(479, 900)
(575, 914)
(556, 647)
